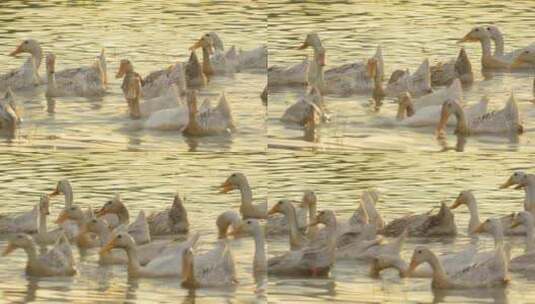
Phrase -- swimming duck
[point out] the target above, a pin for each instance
(44, 236)
(206, 44)
(291, 75)
(84, 81)
(417, 84)
(311, 260)
(466, 197)
(367, 213)
(158, 82)
(497, 36)
(368, 246)
(58, 261)
(26, 222)
(139, 229)
(145, 252)
(311, 101)
(280, 224)
(228, 220)
(165, 264)
(10, 116)
(297, 239)
(246, 59)
(208, 120)
(75, 213)
(445, 73)
(505, 121)
(172, 220)
(526, 260)
(132, 90)
(524, 181)
(259, 261)
(314, 73)
(214, 268)
(483, 275)
(408, 115)
(440, 224)
(524, 58)
(27, 75)
(247, 208)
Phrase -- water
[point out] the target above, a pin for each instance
(89, 142)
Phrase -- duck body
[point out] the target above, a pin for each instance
(440, 224)
(27, 76)
(173, 220)
(417, 84)
(298, 112)
(445, 74)
(291, 75)
(208, 120)
(158, 82)
(277, 225)
(26, 222)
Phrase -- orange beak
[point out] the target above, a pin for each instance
(121, 71)
(457, 203)
(274, 209)
(18, 50)
(226, 187)
(100, 212)
(479, 229)
(508, 183)
(55, 192)
(8, 249)
(62, 217)
(108, 247)
(196, 45)
(467, 38)
(412, 266)
(303, 46)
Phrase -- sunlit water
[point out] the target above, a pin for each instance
(409, 32)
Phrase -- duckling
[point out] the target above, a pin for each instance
(172, 220)
(247, 208)
(440, 224)
(58, 261)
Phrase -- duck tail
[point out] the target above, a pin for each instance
(463, 67)
(422, 76)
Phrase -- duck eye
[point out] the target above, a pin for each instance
(249, 222)
(420, 251)
(279, 203)
(516, 174)
(26, 42)
(108, 203)
(94, 221)
(119, 236)
(73, 208)
(477, 30)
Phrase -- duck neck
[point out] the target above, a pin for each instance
(475, 221)
(331, 235)
(188, 273)
(530, 245)
(31, 251)
(104, 235)
(498, 40)
(68, 198)
(315, 72)
(207, 68)
(529, 199)
(42, 230)
(312, 231)
(37, 54)
(498, 237)
(294, 230)
(486, 48)
(246, 194)
(123, 215)
(462, 125)
(51, 83)
(133, 261)
(259, 262)
(440, 278)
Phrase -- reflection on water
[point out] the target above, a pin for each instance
(408, 31)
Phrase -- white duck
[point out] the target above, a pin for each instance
(20, 221)
(525, 57)
(525, 261)
(497, 36)
(214, 268)
(158, 82)
(467, 198)
(165, 264)
(259, 261)
(210, 69)
(311, 260)
(296, 238)
(208, 120)
(367, 211)
(524, 181)
(291, 75)
(417, 84)
(246, 59)
(81, 239)
(445, 73)
(505, 121)
(172, 220)
(438, 97)
(10, 116)
(408, 115)
(27, 75)
(139, 229)
(84, 81)
(228, 220)
(44, 236)
(483, 275)
(58, 261)
(307, 209)
(247, 208)
(298, 112)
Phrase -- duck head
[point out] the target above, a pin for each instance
(420, 255)
(205, 42)
(120, 240)
(325, 217)
(476, 34)
(114, 206)
(233, 182)
(27, 46)
(281, 206)
(309, 199)
(452, 107)
(217, 43)
(313, 40)
(518, 179)
(74, 213)
(124, 67)
(526, 56)
(523, 218)
(465, 197)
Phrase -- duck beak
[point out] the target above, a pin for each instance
(508, 183)
(62, 217)
(226, 187)
(273, 210)
(54, 193)
(412, 266)
(18, 50)
(479, 229)
(303, 46)
(466, 38)
(108, 247)
(196, 45)
(457, 203)
(100, 212)
(9, 249)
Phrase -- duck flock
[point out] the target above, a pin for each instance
(431, 96)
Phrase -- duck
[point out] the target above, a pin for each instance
(139, 229)
(56, 262)
(367, 213)
(524, 58)
(252, 226)
(255, 58)
(83, 82)
(311, 102)
(426, 224)
(17, 222)
(296, 238)
(417, 84)
(522, 180)
(214, 268)
(293, 75)
(132, 90)
(497, 36)
(314, 73)
(280, 224)
(438, 97)
(158, 82)
(466, 197)
(75, 213)
(488, 60)
(229, 219)
(27, 75)
(491, 273)
(368, 246)
(502, 122)
(10, 116)
(527, 260)
(407, 115)
(239, 181)
(310, 260)
(165, 264)
(43, 236)
(173, 220)
(208, 68)
(442, 74)
(207, 120)
(145, 252)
